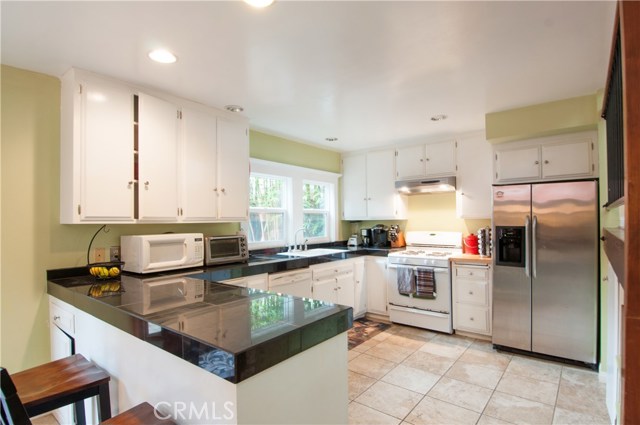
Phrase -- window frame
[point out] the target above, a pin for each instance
(285, 209)
(294, 215)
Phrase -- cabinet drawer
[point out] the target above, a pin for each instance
(472, 272)
(472, 319)
(472, 292)
(332, 272)
(62, 318)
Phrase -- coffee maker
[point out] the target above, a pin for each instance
(366, 237)
(379, 236)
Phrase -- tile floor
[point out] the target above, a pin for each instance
(414, 376)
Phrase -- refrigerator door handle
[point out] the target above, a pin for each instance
(527, 265)
(534, 249)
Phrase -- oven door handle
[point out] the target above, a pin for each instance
(418, 311)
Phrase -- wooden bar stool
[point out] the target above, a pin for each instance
(55, 384)
(14, 412)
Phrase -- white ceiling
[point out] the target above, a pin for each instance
(371, 73)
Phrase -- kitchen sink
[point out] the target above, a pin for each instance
(316, 252)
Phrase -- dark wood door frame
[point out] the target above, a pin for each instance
(630, 36)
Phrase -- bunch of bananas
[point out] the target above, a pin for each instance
(104, 272)
(100, 289)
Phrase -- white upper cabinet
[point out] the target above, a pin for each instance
(551, 158)
(368, 187)
(233, 170)
(199, 200)
(157, 159)
(473, 182)
(96, 151)
(131, 155)
(430, 160)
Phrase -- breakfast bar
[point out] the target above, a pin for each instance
(203, 352)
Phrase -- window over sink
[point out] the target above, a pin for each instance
(285, 198)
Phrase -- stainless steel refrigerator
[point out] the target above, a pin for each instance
(545, 281)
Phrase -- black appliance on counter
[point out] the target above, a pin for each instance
(380, 236)
(366, 237)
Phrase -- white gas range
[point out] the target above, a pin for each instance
(419, 284)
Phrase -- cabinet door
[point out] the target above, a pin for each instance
(517, 164)
(381, 190)
(106, 180)
(376, 276)
(233, 170)
(473, 196)
(572, 159)
(345, 287)
(325, 290)
(360, 289)
(157, 159)
(410, 162)
(354, 187)
(259, 281)
(440, 158)
(199, 201)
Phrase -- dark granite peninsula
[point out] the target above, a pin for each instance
(171, 340)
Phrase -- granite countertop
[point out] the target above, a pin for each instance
(232, 332)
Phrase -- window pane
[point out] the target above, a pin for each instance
(266, 192)
(315, 225)
(313, 196)
(265, 227)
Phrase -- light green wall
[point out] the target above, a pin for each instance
(563, 116)
(277, 149)
(31, 236)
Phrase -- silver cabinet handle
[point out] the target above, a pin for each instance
(56, 318)
(470, 292)
(534, 249)
(537, 162)
(546, 161)
(471, 319)
(527, 224)
(223, 190)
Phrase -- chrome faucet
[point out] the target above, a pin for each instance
(295, 239)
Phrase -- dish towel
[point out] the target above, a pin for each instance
(406, 281)
(425, 283)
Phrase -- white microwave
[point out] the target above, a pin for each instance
(156, 253)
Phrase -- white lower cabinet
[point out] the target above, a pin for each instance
(296, 283)
(360, 288)
(472, 298)
(62, 332)
(376, 277)
(334, 282)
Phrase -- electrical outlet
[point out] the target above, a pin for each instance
(98, 255)
(114, 253)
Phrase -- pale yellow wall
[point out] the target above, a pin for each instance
(563, 116)
(31, 236)
(438, 212)
(276, 149)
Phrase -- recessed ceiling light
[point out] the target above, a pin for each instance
(259, 3)
(234, 108)
(162, 56)
(331, 139)
(439, 117)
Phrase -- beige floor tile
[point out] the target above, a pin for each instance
(363, 415)
(352, 354)
(389, 351)
(518, 410)
(411, 378)
(490, 359)
(422, 333)
(529, 388)
(488, 420)
(475, 374)
(568, 417)
(47, 419)
(408, 341)
(454, 339)
(446, 347)
(382, 336)
(462, 394)
(536, 369)
(429, 362)
(581, 376)
(358, 384)
(431, 411)
(482, 345)
(366, 345)
(581, 392)
(390, 399)
(370, 366)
